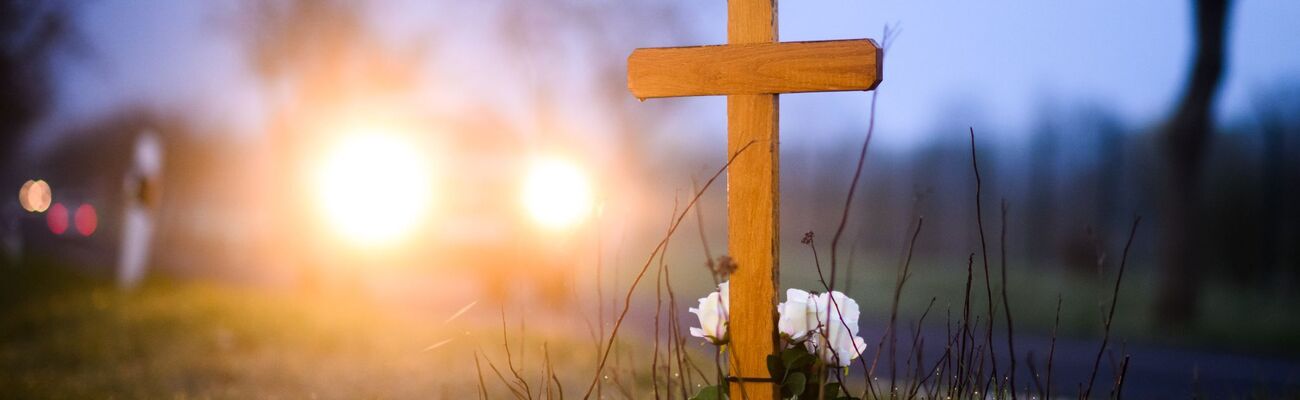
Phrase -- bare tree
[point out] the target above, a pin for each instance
(31, 35)
(1185, 139)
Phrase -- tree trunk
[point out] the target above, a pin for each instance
(1185, 140)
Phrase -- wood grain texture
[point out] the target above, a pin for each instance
(753, 226)
(752, 211)
(755, 68)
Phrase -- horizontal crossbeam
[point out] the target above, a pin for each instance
(761, 68)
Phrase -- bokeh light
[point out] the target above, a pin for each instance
(374, 187)
(22, 195)
(35, 196)
(557, 194)
(86, 219)
(57, 219)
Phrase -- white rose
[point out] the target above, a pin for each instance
(837, 342)
(798, 316)
(713, 316)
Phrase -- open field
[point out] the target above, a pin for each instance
(63, 335)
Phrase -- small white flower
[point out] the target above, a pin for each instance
(713, 316)
(837, 342)
(798, 316)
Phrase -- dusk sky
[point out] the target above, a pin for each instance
(994, 62)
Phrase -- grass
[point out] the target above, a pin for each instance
(70, 337)
(66, 336)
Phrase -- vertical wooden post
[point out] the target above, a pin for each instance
(751, 70)
(753, 205)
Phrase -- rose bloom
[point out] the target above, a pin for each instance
(837, 342)
(713, 316)
(798, 317)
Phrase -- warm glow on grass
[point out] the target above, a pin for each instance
(557, 194)
(374, 187)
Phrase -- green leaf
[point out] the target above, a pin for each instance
(789, 355)
(832, 390)
(804, 361)
(711, 393)
(795, 382)
(796, 358)
(775, 368)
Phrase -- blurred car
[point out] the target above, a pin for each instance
(311, 210)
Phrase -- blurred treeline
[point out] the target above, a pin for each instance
(1073, 185)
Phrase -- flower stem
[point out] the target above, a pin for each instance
(717, 364)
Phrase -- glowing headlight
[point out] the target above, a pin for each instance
(557, 194)
(374, 188)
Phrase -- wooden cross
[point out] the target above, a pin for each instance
(751, 70)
